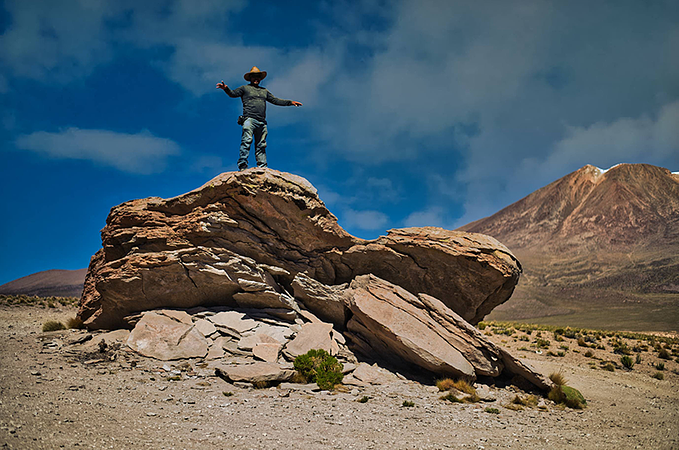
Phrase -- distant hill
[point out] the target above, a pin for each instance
(57, 283)
(599, 248)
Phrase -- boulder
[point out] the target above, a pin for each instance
(241, 238)
(165, 338)
(404, 330)
(265, 268)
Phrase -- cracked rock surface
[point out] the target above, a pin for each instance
(262, 242)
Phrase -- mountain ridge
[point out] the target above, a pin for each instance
(606, 239)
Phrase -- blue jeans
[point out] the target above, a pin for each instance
(253, 128)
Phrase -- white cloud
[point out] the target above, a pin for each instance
(364, 220)
(625, 139)
(140, 153)
(56, 41)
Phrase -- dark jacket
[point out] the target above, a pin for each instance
(254, 100)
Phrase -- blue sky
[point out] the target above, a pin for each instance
(415, 112)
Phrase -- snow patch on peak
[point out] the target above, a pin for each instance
(603, 171)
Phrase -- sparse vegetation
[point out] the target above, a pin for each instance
(452, 398)
(558, 378)
(53, 325)
(490, 410)
(664, 354)
(461, 385)
(660, 366)
(363, 399)
(75, 323)
(608, 366)
(448, 384)
(529, 400)
(627, 362)
(658, 376)
(45, 302)
(227, 393)
(408, 404)
(589, 354)
(318, 366)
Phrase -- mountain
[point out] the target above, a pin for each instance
(56, 283)
(598, 248)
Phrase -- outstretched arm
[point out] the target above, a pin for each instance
(279, 101)
(229, 92)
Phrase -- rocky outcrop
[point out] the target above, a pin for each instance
(266, 273)
(240, 240)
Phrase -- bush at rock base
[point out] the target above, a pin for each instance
(568, 396)
(319, 367)
(53, 325)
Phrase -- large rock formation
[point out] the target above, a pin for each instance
(262, 241)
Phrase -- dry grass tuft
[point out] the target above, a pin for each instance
(461, 385)
(558, 378)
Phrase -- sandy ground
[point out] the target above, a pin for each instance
(61, 396)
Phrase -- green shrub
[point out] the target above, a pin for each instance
(53, 325)
(490, 410)
(609, 366)
(658, 376)
(664, 354)
(542, 343)
(660, 366)
(589, 354)
(407, 404)
(638, 359)
(627, 362)
(568, 396)
(318, 366)
(363, 399)
(227, 393)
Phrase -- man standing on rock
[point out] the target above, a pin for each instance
(254, 99)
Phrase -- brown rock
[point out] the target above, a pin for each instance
(390, 323)
(267, 351)
(254, 373)
(161, 337)
(312, 336)
(232, 241)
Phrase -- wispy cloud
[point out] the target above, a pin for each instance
(434, 216)
(364, 220)
(141, 153)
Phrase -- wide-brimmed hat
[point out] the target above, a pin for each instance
(254, 71)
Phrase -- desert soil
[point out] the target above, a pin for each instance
(59, 395)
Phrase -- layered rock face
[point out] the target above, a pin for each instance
(262, 240)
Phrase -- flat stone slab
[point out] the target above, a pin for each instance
(248, 342)
(161, 337)
(180, 316)
(205, 327)
(234, 320)
(254, 373)
(110, 337)
(267, 351)
(312, 336)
